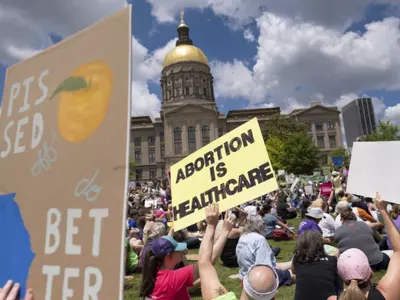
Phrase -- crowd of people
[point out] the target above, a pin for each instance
(340, 242)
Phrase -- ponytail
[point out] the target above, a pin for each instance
(353, 292)
(150, 268)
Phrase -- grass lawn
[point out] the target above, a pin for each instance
(285, 293)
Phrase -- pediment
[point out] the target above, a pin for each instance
(319, 109)
(190, 109)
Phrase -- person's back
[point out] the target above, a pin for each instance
(321, 273)
(228, 255)
(354, 234)
(253, 249)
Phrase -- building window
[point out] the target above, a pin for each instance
(186, 78)
(187, 90)
(163, 172)
(162, 151)
(178, 140)
(324, 160)
(309, 126)
(196, 90)
(162, 137)
(220, 132)
(137, 141)
(205, 134)
(320, 142)
(138, 173)
(319, 126)
(138, 156)
(205, 92)
(152, 156)
(151, 140)
(153, 174)
(331, 125)
(177, 92)
(192, 139)
(332, 141)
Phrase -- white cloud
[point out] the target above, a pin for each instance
(336, 14)
(248, 35)
(25, 25)
(146, 67)
(298, 63)
(393, 114)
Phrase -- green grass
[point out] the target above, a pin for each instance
(285, 293)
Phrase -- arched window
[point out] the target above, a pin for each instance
(178, 140)
(205, 134)
(192, 139)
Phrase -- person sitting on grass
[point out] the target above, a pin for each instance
(270, 222)
(313, 216)
(354, 268)
(253, 249)
(314, 267)
(261, 282)
(160, 280)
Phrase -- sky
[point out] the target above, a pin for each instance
(285, 53)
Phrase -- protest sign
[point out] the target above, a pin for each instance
(63, 168)
(374, 168)
(337, 161)
(230, 170)
(308, 189)
(326, 188)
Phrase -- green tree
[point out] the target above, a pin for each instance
(301, 156)
(275, 148)
(386, 131)
(282, 127)
(132, 170)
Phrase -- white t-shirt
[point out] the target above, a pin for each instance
(327, 225)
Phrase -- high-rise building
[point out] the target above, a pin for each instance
(358, 119)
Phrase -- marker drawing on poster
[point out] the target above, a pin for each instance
(216, 173)
(57, 108)
(87, 188)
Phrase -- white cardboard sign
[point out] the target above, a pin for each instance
(375, 167)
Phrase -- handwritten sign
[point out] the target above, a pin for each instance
(231, 170)
(64, 168)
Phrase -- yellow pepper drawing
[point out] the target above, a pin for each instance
(84, 100)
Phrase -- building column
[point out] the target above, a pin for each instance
(339, 137)
(198, 136)
(185, 142)
(326, 136)
(212, 132)
(314, 133)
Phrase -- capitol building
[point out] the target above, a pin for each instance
(189, 117)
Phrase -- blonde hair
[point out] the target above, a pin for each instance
(394, 214)
(353, 292)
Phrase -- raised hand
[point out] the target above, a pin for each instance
(380, 204)
(228, 223)
(212, 212)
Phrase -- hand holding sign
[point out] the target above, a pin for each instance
(10, 292)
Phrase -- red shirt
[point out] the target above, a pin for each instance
(173, 284)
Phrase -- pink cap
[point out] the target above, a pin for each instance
(353, 265)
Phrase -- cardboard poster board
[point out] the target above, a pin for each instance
(63, 168)
(374, 167)
(230, 170)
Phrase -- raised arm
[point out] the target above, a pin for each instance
(211, 287)
(389, 284)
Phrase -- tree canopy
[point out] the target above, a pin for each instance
(289, 146)
(386, 131)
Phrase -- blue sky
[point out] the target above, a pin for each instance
(279, 58)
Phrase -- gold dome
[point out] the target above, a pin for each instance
(185, 53)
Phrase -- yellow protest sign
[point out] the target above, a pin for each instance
(231, 170)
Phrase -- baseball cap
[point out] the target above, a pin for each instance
(315, 212)
(353, 265)
(166, 245)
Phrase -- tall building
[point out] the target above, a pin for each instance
(189, 117)
(358, 119)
